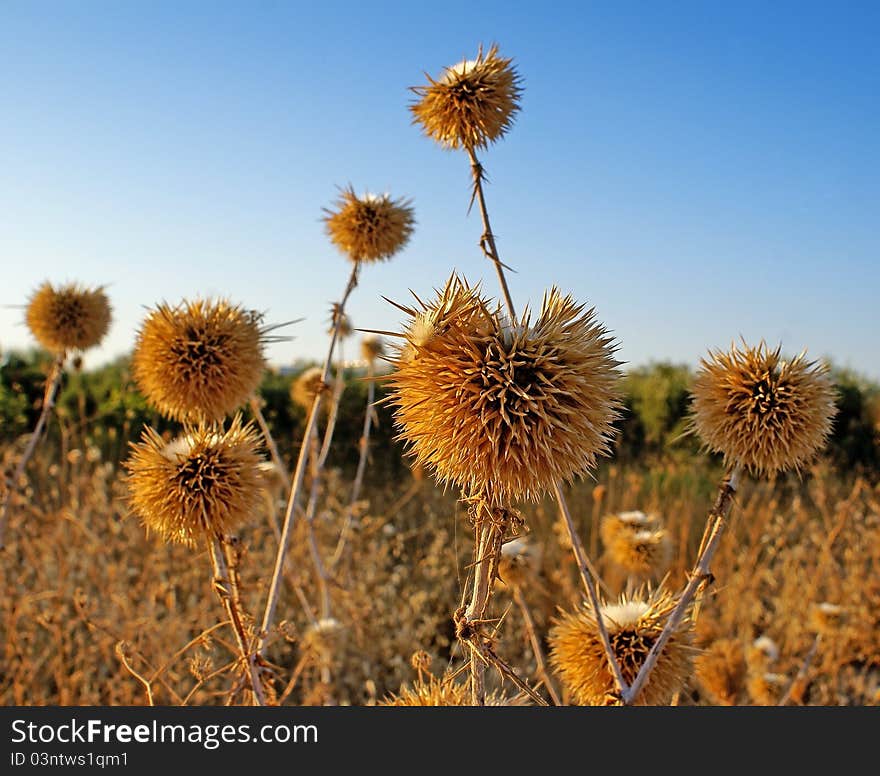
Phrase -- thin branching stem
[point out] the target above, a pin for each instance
(301, 465)
(700, 575)
(535, 641)
(53, 382)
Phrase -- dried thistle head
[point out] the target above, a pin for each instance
(826, 618)
(372, 347)
(430, 692)
(613, 525)
(369, 228)
(634, 625)
(472, 103)
(324, 637)
(762, 652)
(501, 409)
(69, 317)
(721, 671)
(645, 553)
(762, 412)
(200, 360)
(205, 483)
(307, 386)
(519, 562)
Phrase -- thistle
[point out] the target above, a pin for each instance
(200, 360)
(761, 412)
(643, 551)
(68, 317)
(204, 484)
(369, 228)
(372, 348)
(721, 671)
(306, 386)
(472, 104)
(503, 409)
(633, 625)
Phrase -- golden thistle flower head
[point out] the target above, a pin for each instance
(644, 553)
(372, 347)
(499, 409)
(626, 523)
(430, 691)
(762, 412)
(633, 625)
(68, 317)
(721, 671)
(203, 484)
(519, 562)
(307, 386)
(201, 360)
(369, 228)
(472, 104)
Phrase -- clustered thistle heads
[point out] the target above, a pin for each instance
(721, 671)
(763, 413)
(633, 625)
(68, 317)
(204, 484)
(369, 228)
(471, 104)
(200, 360)
(503, 410)
(637, 543)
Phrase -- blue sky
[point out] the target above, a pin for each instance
(697, 171)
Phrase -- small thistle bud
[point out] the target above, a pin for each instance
(646, 554)
(307, 386)
(502, 411)
(372, 347)
(634, 625)
(721, 671)
(761, 412)
(369, 228)
(204, 484)
(199, 361)
(69, 317)
(472, 104)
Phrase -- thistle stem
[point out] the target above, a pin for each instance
(226, 587)
(588, 574)
(535, 642)
(257, 411)
(364, 446)
(300, 471)
(51, 391)
(716, 523)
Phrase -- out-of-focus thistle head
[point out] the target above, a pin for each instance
(721, 671)
(204, 484)
(472, 104)
(307, 385)
(504, 411)
(761, 412)
(369, 228)
(644, 553)
(372, 347)
(69, 317)
(430, 691)
(200, 360)
(634, 625)
(617, 523)
(520, 561)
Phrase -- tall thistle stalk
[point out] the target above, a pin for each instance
(472, 105)
(366, 229)
(62, 319)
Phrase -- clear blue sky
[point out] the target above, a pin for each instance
(696, 171)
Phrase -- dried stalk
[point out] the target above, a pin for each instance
(299, 473)
(226, 586)
(535, 642)
(52, 384)
(698, 578)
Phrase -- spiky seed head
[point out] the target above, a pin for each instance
(206, 483)
(472, 104)
(826, 618)
(307, 385)
(199, 360)
(369, 228)
(372, 347)
(324, 636)
(500, 409)
(612, 525)
(345, 327)
(760, 411)
(634, 625)
(519, 562)
(645, 553)
(721, 671)
(431, 691)
(69, 317)
(763, 651)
